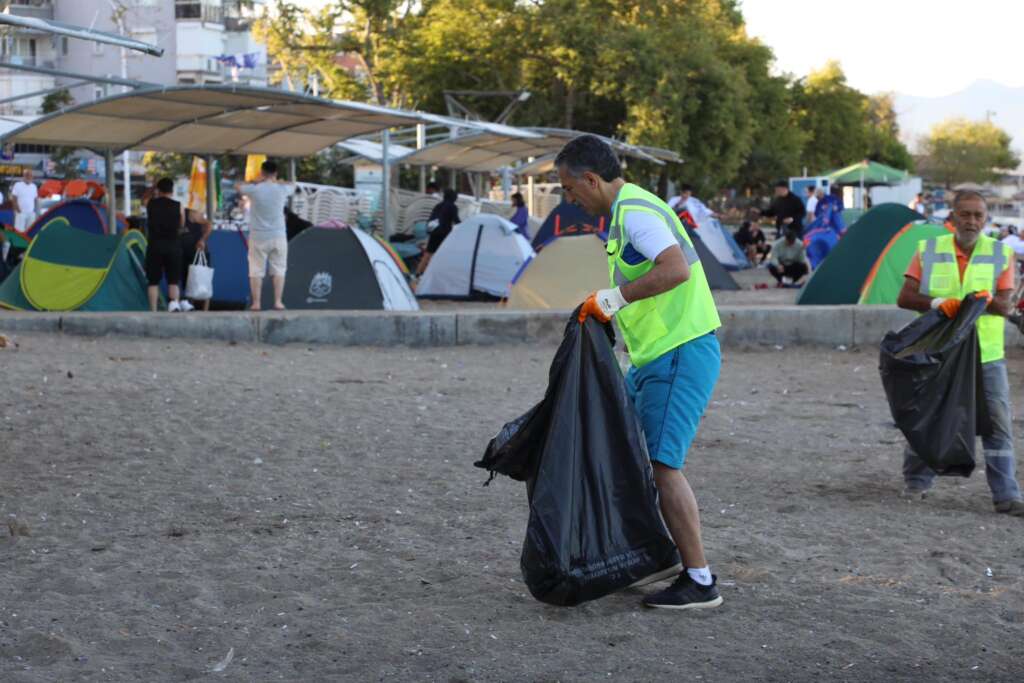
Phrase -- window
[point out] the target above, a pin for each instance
(64, 46)
(98, 93)
(204, 10)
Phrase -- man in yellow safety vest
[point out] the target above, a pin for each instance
(664, 309)
(943, 271)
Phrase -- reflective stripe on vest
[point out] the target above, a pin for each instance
(654, 326)
(615, 234)
(941, 277)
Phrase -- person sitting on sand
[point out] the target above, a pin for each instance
(789, 260)
(751, 239)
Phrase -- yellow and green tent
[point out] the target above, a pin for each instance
(66, 269)
(885, 280)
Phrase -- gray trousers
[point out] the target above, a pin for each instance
(1000, 462)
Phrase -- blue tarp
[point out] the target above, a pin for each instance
(229, 254)
(569, 219)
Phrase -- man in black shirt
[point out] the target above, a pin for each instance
(165, 223)
(787, 209)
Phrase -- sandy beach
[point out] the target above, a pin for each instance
(314, 512)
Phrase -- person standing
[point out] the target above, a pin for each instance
(943, 271)
(811, 204)
(660, 297)
(521, 217)
(685, 200)
(25, 195)
(268, 235)
(197, 234)
(443, 218)
(165, 222)
(787, 210)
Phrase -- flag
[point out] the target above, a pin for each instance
(252, 166)
(197, 186)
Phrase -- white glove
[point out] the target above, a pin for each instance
(610, 301)
(936, 302)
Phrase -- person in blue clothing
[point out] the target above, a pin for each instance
(521, 217)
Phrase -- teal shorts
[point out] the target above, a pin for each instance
(670, 395)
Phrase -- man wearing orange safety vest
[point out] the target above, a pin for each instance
(943, 271)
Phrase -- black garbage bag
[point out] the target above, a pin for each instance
(931, 371)
(595, 526)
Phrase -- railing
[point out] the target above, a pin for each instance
(322, 203)
(36, 9)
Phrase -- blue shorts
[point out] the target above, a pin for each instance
(670, 394)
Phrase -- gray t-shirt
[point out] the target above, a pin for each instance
(266, 215)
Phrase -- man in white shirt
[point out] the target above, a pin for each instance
(685, 200)
(1014, 241)
(24, 194)
(812, 204)
(268, 235)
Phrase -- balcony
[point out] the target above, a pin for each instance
(26, 60)
(36, 9)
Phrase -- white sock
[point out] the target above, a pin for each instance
(701, 575)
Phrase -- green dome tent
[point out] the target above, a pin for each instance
(66, 269)
(885, 280)
(839, 278)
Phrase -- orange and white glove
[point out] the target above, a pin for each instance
(602, 305)
(948, 307)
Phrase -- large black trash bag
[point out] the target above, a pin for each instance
(931, 371)
(595, 525)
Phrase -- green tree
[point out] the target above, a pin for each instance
(883, 138)
(832, 114)
(64, 161)
(958, 150)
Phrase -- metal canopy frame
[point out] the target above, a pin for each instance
(60, 28)
(230, 119)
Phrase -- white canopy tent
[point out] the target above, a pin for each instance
(494, 149)
(214, 120)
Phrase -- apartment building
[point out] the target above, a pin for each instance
(193, 34)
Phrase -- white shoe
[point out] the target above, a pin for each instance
(186, 306)
(174, 307)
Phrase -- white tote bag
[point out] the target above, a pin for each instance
(200, 279)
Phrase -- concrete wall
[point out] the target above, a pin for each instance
(743, 327)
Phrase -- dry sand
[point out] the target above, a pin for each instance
(315, 512)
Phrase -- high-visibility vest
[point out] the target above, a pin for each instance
(654, 326)
(940, 277)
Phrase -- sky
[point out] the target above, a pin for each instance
(895, 45)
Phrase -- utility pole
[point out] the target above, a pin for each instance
(119, 14)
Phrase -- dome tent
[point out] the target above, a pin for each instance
(341, 268)
(562, 274)
(480, 257)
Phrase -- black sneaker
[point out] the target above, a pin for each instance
(685, 593)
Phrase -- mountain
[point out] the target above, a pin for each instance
(1005, 104)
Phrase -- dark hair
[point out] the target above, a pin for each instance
(782, 183)
(589, 153)
(792, 233)
(165, 185)
(812, 188)
(433, 185)
(450, 196)
(269, 167)
(686, 188)
(517, 199)
(968, 194)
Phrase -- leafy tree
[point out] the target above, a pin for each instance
(64, 161)
(167, 165)
(958, 150)
(884, 143)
